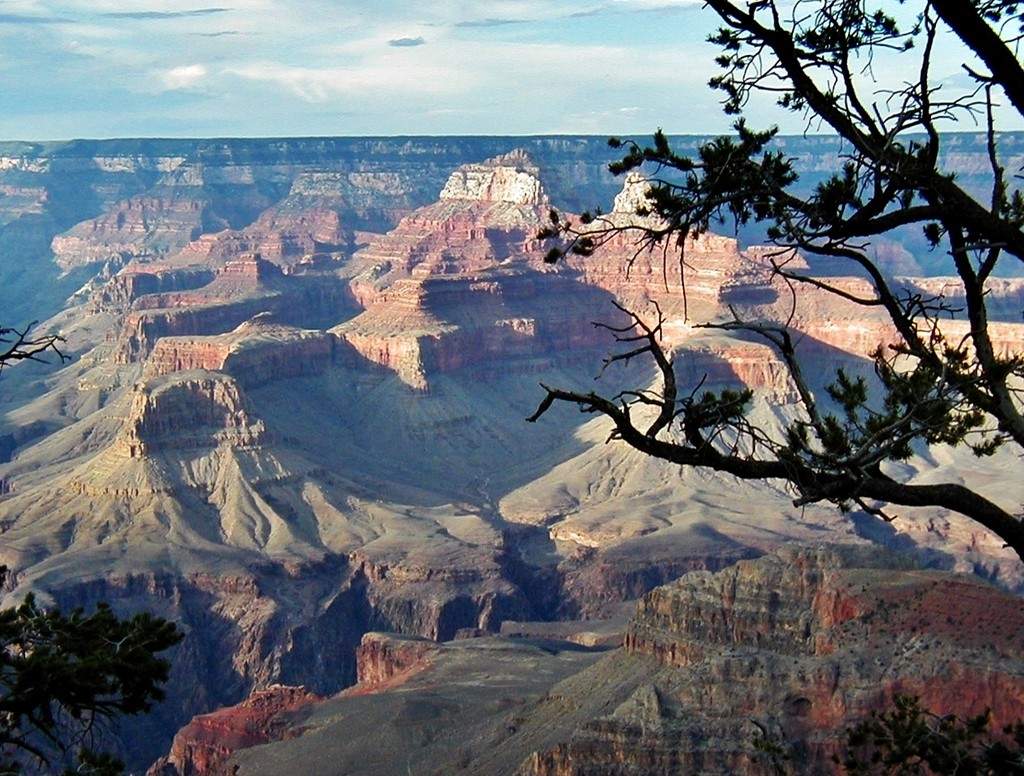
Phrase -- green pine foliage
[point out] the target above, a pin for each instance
(908, 740)
(63, 674)
(930, 387)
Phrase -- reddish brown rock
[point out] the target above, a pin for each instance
(136, 280)
(690, 287)
(241, 289)
(309, 222)
(426, 591)
(461, 286)
(202, 747)
(791, 648)
(283, 240)
(254, 353)
(190, 199)
(462, 283)
(318, 219)
(140, 226)
(795, 647)
(383, 657)
(713, 273)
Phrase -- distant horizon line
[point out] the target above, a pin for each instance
(542, 135)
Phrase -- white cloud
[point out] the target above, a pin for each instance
(648, 4)
(503, 66)
(371, 81)
(184, 76)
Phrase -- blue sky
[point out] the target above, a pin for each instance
(174, 68)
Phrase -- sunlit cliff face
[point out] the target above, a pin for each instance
(288, 451)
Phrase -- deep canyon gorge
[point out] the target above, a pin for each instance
(293, 422)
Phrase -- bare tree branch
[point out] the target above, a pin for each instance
(817, 57)
(21, 345)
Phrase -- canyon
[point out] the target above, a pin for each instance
(789, 650)
(292, 421)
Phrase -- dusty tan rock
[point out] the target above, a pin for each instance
(189, 409)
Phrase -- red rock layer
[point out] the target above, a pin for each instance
(137, 227)
(284, 235)
(795, 648)
(462, 283)
(381, 657)
(242, 289)
(204, 745)
(254, 353)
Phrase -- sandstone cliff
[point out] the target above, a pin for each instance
(790, 649)
(240, 289)
(202, 746)
(461, 282)
(794, 648)
(208, 408)
(318, 218)
(691, 287)
(255, 352)
(382, 658)
(357, 460)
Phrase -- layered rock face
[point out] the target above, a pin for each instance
(190, 403)
(193, 199)
(381, 657)
(202, 746)
(286, 452)
(256, 352)
(125, 288)
(461, 282)
(127, 232)
(693, 285)
(111, 200)
(487, 214)
(241, 289)
(314, 220)
(794, 648)
(711, 274)
(787, 650)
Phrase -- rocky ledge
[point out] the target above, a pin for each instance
(793, 648)
(381, 657)
(256, 352)
(187, 410)
(203, 745)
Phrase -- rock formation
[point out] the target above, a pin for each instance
(462, 281)
(256, 352)
(314, 220)
(202, 746)
(794, 648)
(209, 409)
(128, 233)
(136, 280)
(789, 649)
(241, 289)
(382, 657)
(691, 286)
(286, 452)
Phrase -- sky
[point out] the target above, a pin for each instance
(271, 68)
